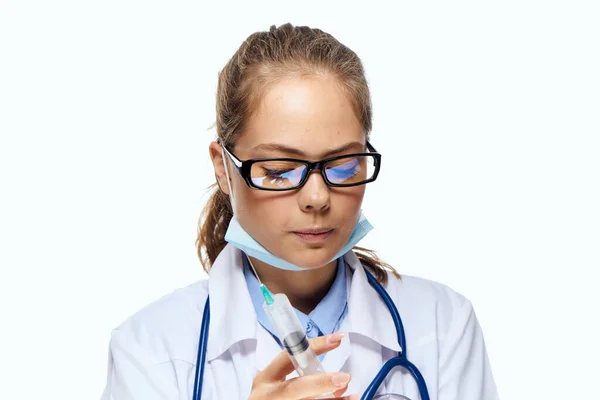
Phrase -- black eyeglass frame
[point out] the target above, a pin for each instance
(244, 168)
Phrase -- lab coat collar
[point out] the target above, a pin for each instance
(233, 318)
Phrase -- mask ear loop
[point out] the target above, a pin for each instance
(228, 181)
(233, 209)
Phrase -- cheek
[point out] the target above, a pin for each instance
(264, 215)
(349, 206)
(243, 195)
(350, 200)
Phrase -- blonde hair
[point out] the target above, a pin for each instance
(264, 58)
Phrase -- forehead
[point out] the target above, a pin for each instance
(312, 114)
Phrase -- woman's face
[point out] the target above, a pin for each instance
(308, 118)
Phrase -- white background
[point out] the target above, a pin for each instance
(487, 116)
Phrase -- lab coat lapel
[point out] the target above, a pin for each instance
(335, 359)
(232, 315)
(368, 314)
(266, 348)
(368, 325)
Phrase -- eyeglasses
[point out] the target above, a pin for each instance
(279, 174)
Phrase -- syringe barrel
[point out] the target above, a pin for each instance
(292, 335)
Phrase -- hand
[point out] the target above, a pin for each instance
(270, 383)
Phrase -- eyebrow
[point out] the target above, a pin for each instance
(291, 150)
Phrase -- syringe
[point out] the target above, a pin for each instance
(291, 333)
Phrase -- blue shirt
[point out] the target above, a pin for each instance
(325, 319)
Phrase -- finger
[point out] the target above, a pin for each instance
(323, 344)
(281, 365)
(340, 392)
(311, 386)
(349, 397)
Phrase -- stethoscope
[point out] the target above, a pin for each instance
(399, 361)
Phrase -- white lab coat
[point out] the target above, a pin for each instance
(153, 354)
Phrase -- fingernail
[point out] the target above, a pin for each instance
(335, 337)
(340, 379)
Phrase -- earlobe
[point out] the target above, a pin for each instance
(222, 185)
(221, 179)
(218, 181)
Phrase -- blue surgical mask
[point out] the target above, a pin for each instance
(237, 236)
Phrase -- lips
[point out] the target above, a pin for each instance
(313, 231)
(314, 235)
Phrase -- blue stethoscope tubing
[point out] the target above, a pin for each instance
(399, 361)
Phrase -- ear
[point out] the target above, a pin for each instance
(216, 157)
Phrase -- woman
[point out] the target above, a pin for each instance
(291, 162)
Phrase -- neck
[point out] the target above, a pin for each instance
(304, 289)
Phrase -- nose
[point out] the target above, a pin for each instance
(314, 195)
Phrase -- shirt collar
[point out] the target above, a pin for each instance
(327, 313)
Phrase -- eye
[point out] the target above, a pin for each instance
(347, 169)
(277, 173)
(344, 170)
(351, 166)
